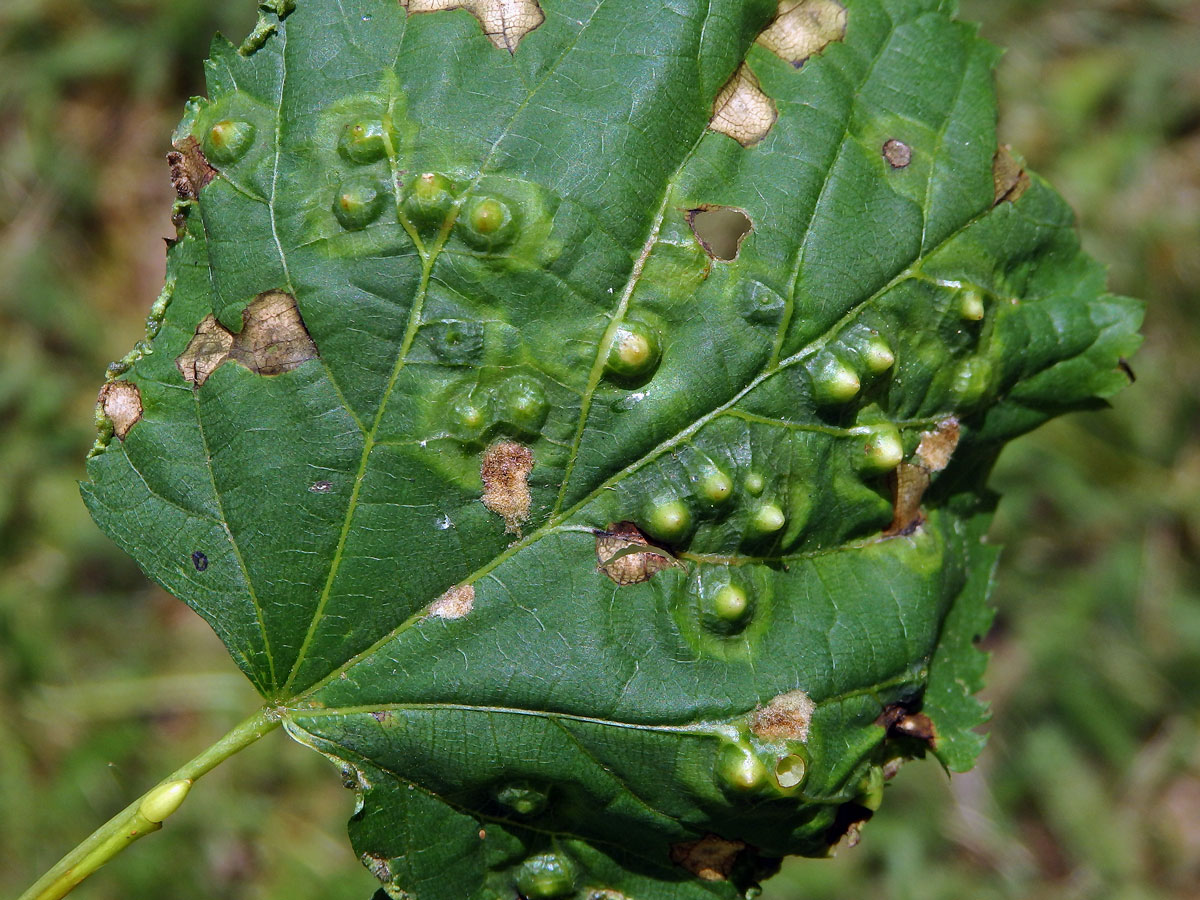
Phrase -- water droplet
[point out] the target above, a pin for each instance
(358, 203)
(669, 520)
(546, 876)
(634, 352)
(364, 142)
(321, 487)
(227, 141)
(443, 523)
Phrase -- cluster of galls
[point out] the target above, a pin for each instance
(516, 405)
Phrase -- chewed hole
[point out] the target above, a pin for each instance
(720, 230)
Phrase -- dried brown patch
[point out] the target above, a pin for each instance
(742, 110)
(938, 446)
(897, 153)
(1008, 176)
(898, 721)
(720, 230)
(121, 402)
(273, 340)
(190, 171)
(504, 22)
(711, 858)
(802, 28)
(909, 483)
(505, 472)
(620, 557)
(455, 603)
(788, 716)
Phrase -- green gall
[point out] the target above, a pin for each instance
(870, 789)
(971, 381)
(877, 356)
(739, 769)
(522, 404)
(767, 519)
(790, 771)
(668, 521)
(833, 381)
(161, 802)
(882, 449)
(716, 486)
(364, 142)
(429, 200)
(970, 305)
(486, 223)
(358, 203)
(545, 876)
(522, 799)
(634, 352)
(470, 415)
(227, 141)
(755, 484)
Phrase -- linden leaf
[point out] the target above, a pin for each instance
(609, 553)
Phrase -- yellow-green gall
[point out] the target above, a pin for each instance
(669, 520)
(470, 415)
(487, 223)
(716, 486)
(546, 876)
(522, 403)
(755, 484)
(428, 200)
(833, 381)
(634, 352)
(731, 603)
(161, 802)
(970, 305)
(364, 142)
(358, 203)
(882, 449)
(767, 519)
(739, 768)
(227, 141)
(877, 355)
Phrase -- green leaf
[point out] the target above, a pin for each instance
(575, 418)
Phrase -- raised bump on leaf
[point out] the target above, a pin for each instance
(359, 201)
(228, 140)
(635, 350)
(505, 22)
(802, 28)
(741, 110)
(546, 876)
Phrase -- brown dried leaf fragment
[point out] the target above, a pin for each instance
(897, 153)
(190, 171)
(937, 446)
(787, 717)
(621, 559)
(121, 402)
(897, 720)
(802, 28)
(742, 111)
(909, 483)
(505, 471)
(1009, 176)
(504, 22)
(455, 603)
(273, 340)
(711, 858)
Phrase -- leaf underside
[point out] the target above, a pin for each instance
(499, 297)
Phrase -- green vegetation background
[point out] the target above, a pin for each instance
(1090, 786)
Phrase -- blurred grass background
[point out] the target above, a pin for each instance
(1090, 786)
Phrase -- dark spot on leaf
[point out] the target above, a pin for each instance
(897, 153)
(711, 857)
(1123, 365)
(846, 829)
(1009, 176)
(321, 487)
(200, 561)
(899, 721)
(720, 229)
(190, 171)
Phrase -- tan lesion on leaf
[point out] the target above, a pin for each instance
(910, 480)
(504, 22)
(711, 857)
(626, 557)
(121, 403)
(742, 111)
(190, 170)
(802, 28)
(505, 472)
(938, 446)
(786, 717)
(273, 340)
(455, 603)
(1008, 176)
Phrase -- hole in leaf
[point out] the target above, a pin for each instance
(720, 230)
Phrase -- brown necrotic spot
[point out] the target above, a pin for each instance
(273, 340)
(742, 111)
(505, 472)
(937, 446)
(786, 716)
(190, 171)
(897, 153)
(455, 603)
(802, 28)
(908, 487)
(504, 22)
(1008, 176)
(625, 556)
(121, 402)
(899, 721)
(710, 858)
(720, 230)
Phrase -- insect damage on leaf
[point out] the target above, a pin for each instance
(897, 153)
(505, 472)
(802, 28)
(621, 557)
(710, 858)
(742, 111)
(273, 340)
(457, 602)
(504, 22)
(720, 230)
(1009, 177)
(121, 402)
(786, 716)
(190, 171)
(938, 446)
